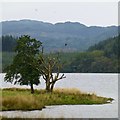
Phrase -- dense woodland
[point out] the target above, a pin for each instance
(99, 58)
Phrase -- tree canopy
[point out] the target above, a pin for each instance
(24, 68)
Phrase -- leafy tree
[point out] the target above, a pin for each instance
(48, 65)
(24, 68)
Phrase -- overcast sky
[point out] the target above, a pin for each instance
(88, 13)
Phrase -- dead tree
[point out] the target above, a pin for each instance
(48, 67)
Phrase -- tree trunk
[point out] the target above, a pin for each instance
(52, 86)
(32, 89)
(48, 87)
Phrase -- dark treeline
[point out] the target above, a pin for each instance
(100, 58)
(8, 43)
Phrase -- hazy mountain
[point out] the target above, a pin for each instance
(68, 36)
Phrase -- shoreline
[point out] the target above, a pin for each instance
(21, 99)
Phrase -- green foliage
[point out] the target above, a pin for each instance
(93, 62)
(101, 58)
(109, 46)
(24, 68)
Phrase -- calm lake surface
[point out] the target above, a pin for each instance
(101, 84)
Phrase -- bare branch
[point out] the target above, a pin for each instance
(56, 78)
(61, 77)
(44, 78)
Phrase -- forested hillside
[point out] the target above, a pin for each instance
(109, 46)
(67, 36)
(100, 58)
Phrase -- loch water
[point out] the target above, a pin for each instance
(102, 84)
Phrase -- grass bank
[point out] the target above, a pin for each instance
(22, 99)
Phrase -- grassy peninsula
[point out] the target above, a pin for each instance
(21, 99)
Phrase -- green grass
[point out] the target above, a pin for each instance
(22, 99)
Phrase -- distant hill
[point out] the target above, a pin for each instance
(68, 36)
